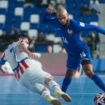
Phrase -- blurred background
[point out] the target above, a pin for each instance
(25, 17)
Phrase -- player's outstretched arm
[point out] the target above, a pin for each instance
(4, 69)
(94, 27)
(88, 27)
(25, 49)
(46, 18)
(50, 10)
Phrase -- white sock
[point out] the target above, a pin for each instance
(54, 85)
(45, 92)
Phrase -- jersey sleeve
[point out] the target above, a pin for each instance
(88, 27)
(3, 59)
(49, 19)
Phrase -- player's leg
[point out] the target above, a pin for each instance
(67, 79)
(89, 72)
(48, 80)
(42, 77)
(39, 89)
(73, 63)
(32, 82)
(57, 91)
(87, 67)
(43, 91)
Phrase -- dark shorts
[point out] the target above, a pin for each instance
(74, 61)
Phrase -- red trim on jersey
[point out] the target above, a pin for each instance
(26, 41)
(18, 75)
(25, 64)
(21, 41)
(21, 69)
(3, 56)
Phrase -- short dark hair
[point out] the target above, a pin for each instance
(23, 36)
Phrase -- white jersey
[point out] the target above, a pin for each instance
(10, 56)
(20, 53)
(28, 72)
(13, 54)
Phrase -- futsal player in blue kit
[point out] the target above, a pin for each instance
(77, 51)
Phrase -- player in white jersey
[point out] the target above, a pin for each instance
(29, 72)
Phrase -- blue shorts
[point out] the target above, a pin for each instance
(74, 61)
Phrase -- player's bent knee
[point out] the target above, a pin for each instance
(47, 80)
(45, 89)
(88, 69)
(89, 73)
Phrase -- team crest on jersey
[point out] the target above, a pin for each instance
(69, 31)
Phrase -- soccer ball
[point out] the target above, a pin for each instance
(99, 99)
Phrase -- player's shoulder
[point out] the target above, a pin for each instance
(74, 21)
(12, 46)
(78, 23)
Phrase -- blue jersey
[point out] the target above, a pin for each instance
(77, 50)
(70, 33)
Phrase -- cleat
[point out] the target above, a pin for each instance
(65, 96)
(52, 100)
(55, 101)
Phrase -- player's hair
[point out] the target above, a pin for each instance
(15, 38)
(61, 10)
(12, 38)
(23, 36)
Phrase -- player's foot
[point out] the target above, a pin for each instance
(55, 101)
(52, 100)
(65, 96)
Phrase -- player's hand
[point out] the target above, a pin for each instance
(5, 69)
(31, 55)
(50, 10)
(38, 55)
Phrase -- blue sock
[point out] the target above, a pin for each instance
(99, 82)
(65, 84)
